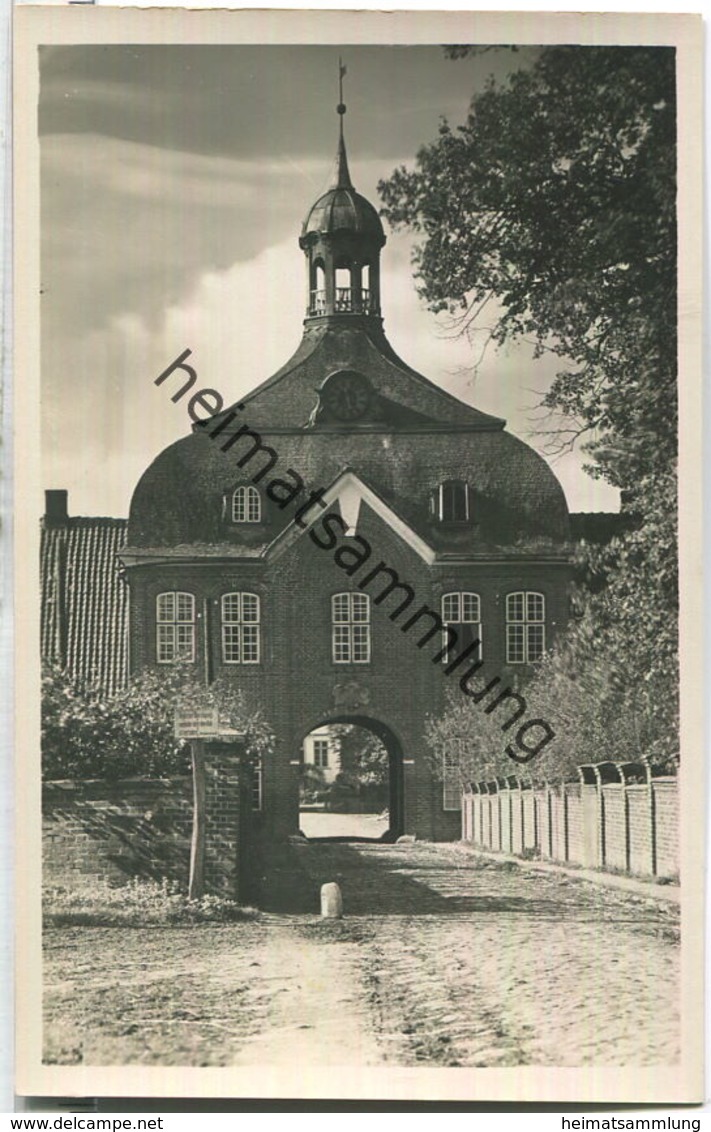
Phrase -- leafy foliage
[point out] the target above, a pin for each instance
(557, 199)
(553, 210)
(364, 759)
(89, 734)
(467, 740)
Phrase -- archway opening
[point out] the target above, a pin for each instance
(351, 782)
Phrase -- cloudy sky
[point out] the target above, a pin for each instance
(174, 181)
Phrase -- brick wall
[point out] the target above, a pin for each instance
(122, 829)
(143, 828)
(543, 822)
(592, 826)
(666, 815)
(559, 848)
(516, 821)
(575, 823)
(639, 826)
(631, 827)
(530, 827)
(223, 809)
(614, 825)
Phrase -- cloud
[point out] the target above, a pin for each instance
(241, 324)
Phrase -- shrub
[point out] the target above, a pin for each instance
(138, 904)
(87, 733)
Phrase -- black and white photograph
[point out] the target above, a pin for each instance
(355, 578)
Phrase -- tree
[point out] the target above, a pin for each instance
(557, 200)
(553, 210)
(363, 756)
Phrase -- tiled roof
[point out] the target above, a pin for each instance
(84, 601)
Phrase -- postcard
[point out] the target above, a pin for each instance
(357, 524)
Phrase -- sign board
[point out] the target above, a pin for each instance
(195, 721)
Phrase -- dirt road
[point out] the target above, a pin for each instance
(443, 958)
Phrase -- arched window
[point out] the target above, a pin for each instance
(525, 627)
(450, 502)
(246, 505)
(240, 628)
(175, 627)
(344, 284)
(350, 623)
(365, 288)
(461, 612)
(317, 298)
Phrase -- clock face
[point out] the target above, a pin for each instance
(346, 395)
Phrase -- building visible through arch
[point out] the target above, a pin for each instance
(287, 542)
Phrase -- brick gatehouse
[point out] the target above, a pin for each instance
(321, 541)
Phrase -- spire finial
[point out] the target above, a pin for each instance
(343, 178)
(341, 108)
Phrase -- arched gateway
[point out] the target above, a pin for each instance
(327, 743)
(332, 542)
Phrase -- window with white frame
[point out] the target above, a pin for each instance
(321, 752)
(257, 787)
(350, 621)
(461, 611)
(246, 505)
(240, 628)
(451, 503)
(525, 627)
(451, 783)
(175, 627)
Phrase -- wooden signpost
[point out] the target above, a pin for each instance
(199, 723)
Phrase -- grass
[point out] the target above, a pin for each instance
(139, 903)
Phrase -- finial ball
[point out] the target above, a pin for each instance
(341, 108)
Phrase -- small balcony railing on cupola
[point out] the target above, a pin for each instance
(347, 300)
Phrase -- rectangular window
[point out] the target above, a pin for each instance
(240, 628)
(452, 502)
(525, 627)
(175, 628)
(257, 787)
(350, 619)
(321, 752)
(461, 612)
(451, 784)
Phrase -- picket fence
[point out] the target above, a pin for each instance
(616, 817)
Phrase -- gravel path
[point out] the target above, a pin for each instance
(319, 1006)
(443, 958)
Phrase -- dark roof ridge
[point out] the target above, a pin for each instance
(377, 338)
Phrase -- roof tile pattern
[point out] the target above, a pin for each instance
(84, 600)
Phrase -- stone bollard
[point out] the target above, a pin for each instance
(331, 902)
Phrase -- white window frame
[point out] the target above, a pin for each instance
(451, 785)
(246, 505)
(171, 627)
(321, 753)
(461, 595)
(523, 625)
(351, 632)
(257, 788)
(233, 627)
(440, 501)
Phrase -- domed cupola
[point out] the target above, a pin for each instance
(342, 237)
